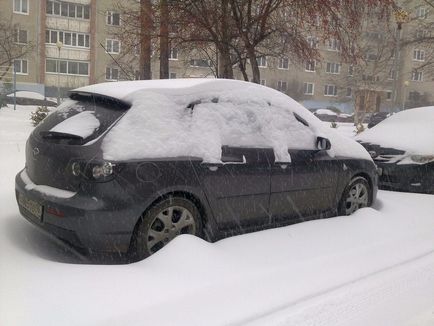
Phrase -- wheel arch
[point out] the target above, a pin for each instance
(189, 195)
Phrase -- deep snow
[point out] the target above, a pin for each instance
(373, 268)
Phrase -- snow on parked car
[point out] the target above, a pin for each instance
(145, 161)
(403, 146)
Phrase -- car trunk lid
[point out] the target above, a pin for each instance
(72, 133)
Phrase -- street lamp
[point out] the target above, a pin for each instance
(59, 46)
(401, 17)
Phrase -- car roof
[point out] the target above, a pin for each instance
(122, 89)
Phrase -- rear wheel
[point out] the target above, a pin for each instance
(356, 195)
(163, 222)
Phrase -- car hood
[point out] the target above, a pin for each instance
(410, 131)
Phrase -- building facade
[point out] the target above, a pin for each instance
(76, 43)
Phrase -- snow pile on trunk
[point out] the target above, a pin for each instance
(198, 119)
(410, 130)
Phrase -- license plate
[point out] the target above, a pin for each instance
(30, 205)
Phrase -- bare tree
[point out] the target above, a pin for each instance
(281, 27)
(146, 32)
(207, 23)
(164, 39)
(11, 46)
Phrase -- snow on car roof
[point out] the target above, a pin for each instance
(195, 117)
(410, 130)
(121, 90)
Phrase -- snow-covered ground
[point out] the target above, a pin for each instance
(373, 268)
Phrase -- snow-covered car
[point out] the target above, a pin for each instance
(403, 148)
(127, 166)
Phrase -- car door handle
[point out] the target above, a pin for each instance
(283, 165)
(244, 161)
(211, 166)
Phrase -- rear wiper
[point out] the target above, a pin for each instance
(59, 135)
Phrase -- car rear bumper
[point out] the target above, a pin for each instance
(85, 222)
(407, 177)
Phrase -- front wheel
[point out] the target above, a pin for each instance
(356, 195)
(163, 222)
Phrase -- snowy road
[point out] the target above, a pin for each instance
(373, 268)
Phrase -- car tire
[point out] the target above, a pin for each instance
(163, 222)
(357, 194)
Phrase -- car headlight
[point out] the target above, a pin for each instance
(422, 159)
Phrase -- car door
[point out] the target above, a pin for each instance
(238, 190)
(303, 188)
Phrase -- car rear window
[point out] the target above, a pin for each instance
(77, 122)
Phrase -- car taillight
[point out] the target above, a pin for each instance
(103, 170)
(95, 171)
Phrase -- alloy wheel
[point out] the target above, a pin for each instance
(358, 197)
(167, 224)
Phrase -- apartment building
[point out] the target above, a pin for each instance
(76, 43)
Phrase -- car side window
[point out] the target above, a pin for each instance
(245, 124)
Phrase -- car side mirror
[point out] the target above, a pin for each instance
(323, 144)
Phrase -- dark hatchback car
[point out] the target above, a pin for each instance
(376, 118)
(402, 146)
(125, 167)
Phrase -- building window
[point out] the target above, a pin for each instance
(263, 82)
(282, 86)
(113, 46)
(21, 6)
(333, 45)
(262, 62)
(111, 73)
(333, 68)
(173, 55)
(67, 9)
(421, 13)
(172, 75)
(284, 63)
(202, 63)
(417, 75)
(313, 42)
(20, 66)
(308, 88)
(330, 90)
(349, 92)
(392, 74)
(350, 70)
(20, 36)
(113, 18)
(422, 33)
(418, 55)
(389, 95)
(67, 38)
(67, 67)
(310, 65)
